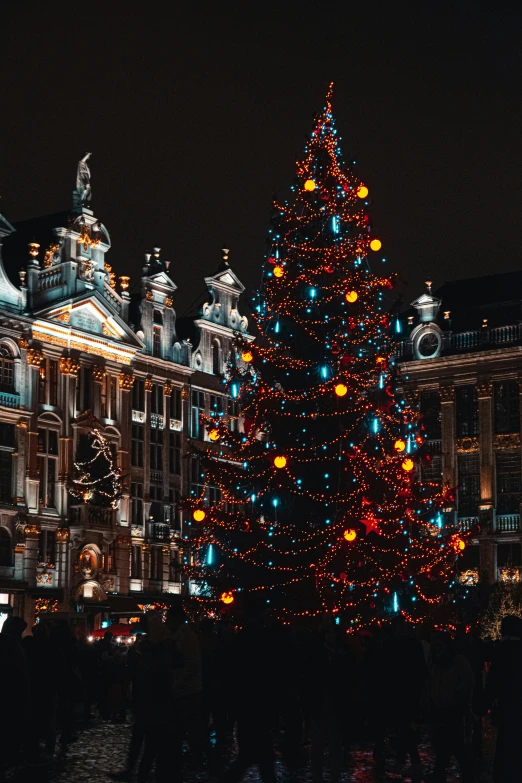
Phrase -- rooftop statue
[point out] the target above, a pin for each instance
(82, 193)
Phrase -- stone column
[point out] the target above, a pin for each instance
(145, 566)
(126, 382)
(31, 553)
(122, 564)
(20, 462)
(485, 410)
(146, 448)
(32, 482)
(62, 535)
(449, 462)
(167, 391)
(69, 369)
(165, 567)
(99, 377)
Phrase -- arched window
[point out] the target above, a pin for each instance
(6, 369)
(216, 358)
(5, 547)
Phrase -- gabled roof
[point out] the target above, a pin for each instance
(5, 227)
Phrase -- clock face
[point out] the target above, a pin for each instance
(428, 345)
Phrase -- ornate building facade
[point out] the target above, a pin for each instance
(78, 353)
(460, 356)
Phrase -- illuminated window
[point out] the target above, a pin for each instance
(136, 562)
(5, 547)
(198, 410)
(137, 439)
(175, 453)
(6, 369)
(507, 407)
(156, 341)
(469, 484)
(430, 412)
(7, 443)
(508, 481)
(138, 395)
(467, 411)
(156, 399)
(156, 449)
(137, 503)
(47, 547)
(175, 404)
(156, 564)
(47, 466)
(48, 382)
(216, 358)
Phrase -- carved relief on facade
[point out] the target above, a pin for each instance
(467, 445)
(98, 373)
(484, 389)
(148, 384)
(126, 381)
(511, 441)
(69, 366)
(34, 357)
(447, 393)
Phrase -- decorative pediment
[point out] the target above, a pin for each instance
(162, 279)
(226, 278)
(88, 325)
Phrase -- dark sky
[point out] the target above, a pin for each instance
(196, 111)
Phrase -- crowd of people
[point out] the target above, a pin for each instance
(315, 692)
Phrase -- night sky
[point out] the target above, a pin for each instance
(195, 113)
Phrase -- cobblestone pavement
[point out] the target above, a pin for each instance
(101, 748)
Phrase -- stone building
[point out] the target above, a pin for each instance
(79, 353)
(460, 357)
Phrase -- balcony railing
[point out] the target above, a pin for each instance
(160, 531)
(508, 523)
(9, 399)
(91, 516)
(467, 523)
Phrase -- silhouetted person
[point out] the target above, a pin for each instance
(329, 668)
(504, 696)
(105, 651)
(449, 696)
(44, 676)
(16, 711)
(254, 691)
(187, 693)
(403, 674)
(69, 683)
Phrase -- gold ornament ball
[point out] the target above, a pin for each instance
(227, 598)
(199, 515)
(280, 462)
(461, 545)
(341, 389)
(375, 245)
(214, 434)
(408, 465)
(278, 271)
(399, 446)
(352, 296)
(247, 356)
(362, 191)
(350, 535)
(309, 185)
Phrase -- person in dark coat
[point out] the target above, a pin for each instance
(15, 692)
(504, 696)
(45, 669)
(449, 695)
(255, 685)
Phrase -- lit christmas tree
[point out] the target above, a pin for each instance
(319, 504)
(97, 478)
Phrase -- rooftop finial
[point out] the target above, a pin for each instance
(428, 285)
(225, 252)
(82, 193)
